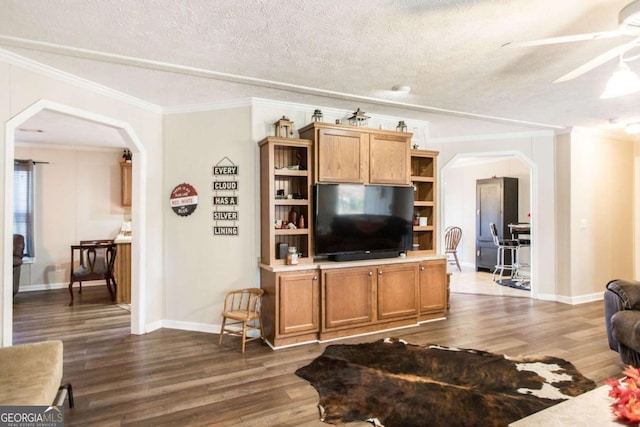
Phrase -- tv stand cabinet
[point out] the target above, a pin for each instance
(323, 300)
(327, 300)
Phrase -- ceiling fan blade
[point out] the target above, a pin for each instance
(597, 61)
(565, 39)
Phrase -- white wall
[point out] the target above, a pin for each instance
(77, 198)
(458, 196)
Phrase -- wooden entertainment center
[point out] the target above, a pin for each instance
(317, 299)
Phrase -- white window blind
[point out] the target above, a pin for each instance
(23, 209)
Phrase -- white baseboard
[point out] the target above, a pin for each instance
(579, 299)
(191, 326)
(154, 326)
(201, 327)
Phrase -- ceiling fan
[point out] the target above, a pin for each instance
(629, 25)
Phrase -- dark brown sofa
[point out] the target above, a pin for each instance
(622, 318)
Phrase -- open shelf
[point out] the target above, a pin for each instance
(285, 188)
(424, 181)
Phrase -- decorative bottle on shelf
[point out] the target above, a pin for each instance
(292, 256)
(301, 221)
(293, 216)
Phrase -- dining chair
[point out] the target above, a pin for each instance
(452, 237)
(504, 245)
(96, 260)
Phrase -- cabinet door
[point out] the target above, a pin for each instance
(342, 156)
(488, 208)
(125, 184)
(347, 297)
(486, 253)
(389, 159)
(397, 291)
(298, 302)
(433, 286)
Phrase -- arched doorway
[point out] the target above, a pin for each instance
(129, 140)
(458, 201)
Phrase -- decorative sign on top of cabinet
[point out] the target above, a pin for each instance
(346, 154)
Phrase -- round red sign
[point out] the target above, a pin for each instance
(184, 199)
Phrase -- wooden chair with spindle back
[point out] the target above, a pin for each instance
(242, 307)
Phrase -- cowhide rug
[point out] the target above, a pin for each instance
(392, 383)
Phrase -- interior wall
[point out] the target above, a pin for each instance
(563, 218)
(202, 267)
(458, 184)
(21, 88)
(602, 211)
(88, 208)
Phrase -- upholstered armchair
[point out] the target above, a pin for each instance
(18, 253)
(622, 318)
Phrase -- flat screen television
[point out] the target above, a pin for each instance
(362, 221)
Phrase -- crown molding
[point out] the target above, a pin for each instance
(209, 106)
(235, 78)
(48, 71)
(494, 136)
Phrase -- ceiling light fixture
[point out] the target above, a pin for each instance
(633, 128)
(622, 82)
(404, 89)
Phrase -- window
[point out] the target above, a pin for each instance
(23, 189)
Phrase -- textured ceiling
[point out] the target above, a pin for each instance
(344, 54)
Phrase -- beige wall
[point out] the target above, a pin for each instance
(563, 217)
(601, 217)
(201, 268)
(19, 89)
(77, 198)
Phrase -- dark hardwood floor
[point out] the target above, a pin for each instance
(178, 378)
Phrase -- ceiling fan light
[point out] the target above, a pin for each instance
(622, 82)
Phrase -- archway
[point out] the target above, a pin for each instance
(452, 187)
(131, 141)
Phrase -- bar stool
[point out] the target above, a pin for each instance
(504, 245)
